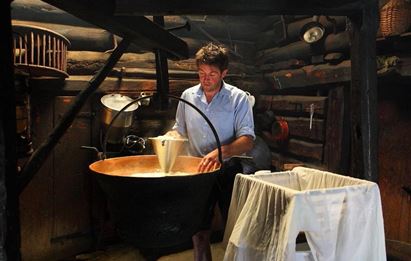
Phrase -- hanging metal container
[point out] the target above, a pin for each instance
(112, 104)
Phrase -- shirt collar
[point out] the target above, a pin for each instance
(199, 92)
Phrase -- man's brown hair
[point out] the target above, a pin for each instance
(213, 54)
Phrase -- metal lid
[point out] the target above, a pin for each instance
(117, 101)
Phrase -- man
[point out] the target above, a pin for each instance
(230, 112)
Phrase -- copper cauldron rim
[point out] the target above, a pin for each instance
(125, 166)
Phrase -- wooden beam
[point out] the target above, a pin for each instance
(397, 44)
(330, 73)
(87, 63)
(398, 250)
(143, 32)
(151, 73)
(291, 104)
(238, 28)
(81, 38)
(300, 50)
(233, 7)
(39, 11)
(305, 149)
(310, 75)
(283, 65)
(76, 84)
(144, 73)
(254, 84)
(309, 151)
(291, 32)
(300, 127)
(364, 119)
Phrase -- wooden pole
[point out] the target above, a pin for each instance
(40, 155)
(9, 200)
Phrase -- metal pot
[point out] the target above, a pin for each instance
(112, 104)
(158, 214)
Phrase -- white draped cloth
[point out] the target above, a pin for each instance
(341, 217)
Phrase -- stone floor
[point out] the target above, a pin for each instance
(127, 253)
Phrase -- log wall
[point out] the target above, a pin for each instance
(307, 83)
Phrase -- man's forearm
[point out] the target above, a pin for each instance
(239, 146)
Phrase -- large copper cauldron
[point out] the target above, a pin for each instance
(155, 212)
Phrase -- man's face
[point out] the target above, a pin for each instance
(210, 77)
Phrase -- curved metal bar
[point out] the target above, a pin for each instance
(220, 155)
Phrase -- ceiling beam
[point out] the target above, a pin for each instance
(237, 7)
(138, 29)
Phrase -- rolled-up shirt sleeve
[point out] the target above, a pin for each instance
(180, 124)
(244, 120)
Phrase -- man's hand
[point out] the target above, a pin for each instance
(237, 147)
(209, 162)
(174, 134)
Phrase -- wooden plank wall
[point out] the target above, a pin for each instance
(55, 206)
(394, 161)
(319, 145)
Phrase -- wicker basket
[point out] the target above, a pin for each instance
(395, 17)
(40, 51)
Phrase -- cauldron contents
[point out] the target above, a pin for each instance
(160, 174)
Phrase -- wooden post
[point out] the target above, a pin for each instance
(9, 200)
(335, 125)
(364, 162)
(42, 152)
(161, 69)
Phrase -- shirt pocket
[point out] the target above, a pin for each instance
(223, 120)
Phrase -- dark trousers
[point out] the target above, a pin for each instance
(222, 191)
(226, 182)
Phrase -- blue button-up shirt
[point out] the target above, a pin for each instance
(229, 111)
